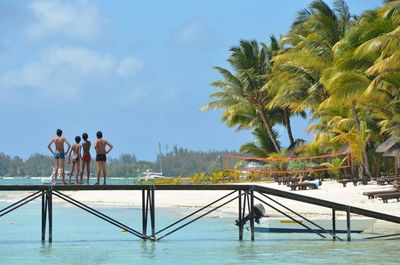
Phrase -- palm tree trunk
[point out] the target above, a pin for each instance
(286, 113)
(269, 129)
(358, 124)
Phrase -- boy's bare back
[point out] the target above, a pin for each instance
(86, 147)
(76, 148)
(59, 143)
(100, 146)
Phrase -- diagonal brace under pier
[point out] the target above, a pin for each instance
(97, 213)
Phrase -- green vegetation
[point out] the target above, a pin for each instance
(178, 162)
(215, 177)
(342, 69)
(184, 162)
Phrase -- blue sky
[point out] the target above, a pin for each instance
(137, 70)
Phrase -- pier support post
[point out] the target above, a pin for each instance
(240, 216)
(144, 214)
(44, 215)
(148, 204)
(348, 224)
(251, 211)
(152, 213)
(334, 224)
(50, 209)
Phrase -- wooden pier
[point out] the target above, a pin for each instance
(245, 195)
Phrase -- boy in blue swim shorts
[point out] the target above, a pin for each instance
(59, 154)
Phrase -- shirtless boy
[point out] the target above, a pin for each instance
(59, 154)
(86, 157)
(100, 146)
(76, 157)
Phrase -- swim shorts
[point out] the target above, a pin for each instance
(101, 157)
(86, 158)
(75, 159)
(59, 155)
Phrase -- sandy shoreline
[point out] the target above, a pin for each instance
(330, 190)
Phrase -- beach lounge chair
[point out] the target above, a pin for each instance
(386, 180)
(371, 194)
(287, 180)
(305, 185)
(355, 181)
(387, 196)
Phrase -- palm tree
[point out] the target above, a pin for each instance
(314, 33)
(365, 60)
(273, 86)
(262, 146)
(242, 90)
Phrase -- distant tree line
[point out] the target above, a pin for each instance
(36, 165)
(184, 162)
(178, 162)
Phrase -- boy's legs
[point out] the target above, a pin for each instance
(88, 171)
(103, 166)
(83, 170)
(63, 170)
(77, 172)
(98, 171)
(71, 171)
(56, 166)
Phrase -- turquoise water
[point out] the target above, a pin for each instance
(38, 181)
(80, 238)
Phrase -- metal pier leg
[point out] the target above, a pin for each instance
(348, 223)
(240, 216)
(144, 214)
(334, 224)
(44, 205)
(50, 209)
(152, 214)
(252, 214)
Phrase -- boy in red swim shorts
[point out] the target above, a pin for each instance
(86, 157)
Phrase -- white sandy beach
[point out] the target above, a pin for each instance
(330, 190)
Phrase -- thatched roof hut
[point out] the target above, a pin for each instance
(391, 147)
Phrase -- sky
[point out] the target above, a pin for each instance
(139, 71)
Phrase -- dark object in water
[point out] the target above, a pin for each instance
(258, 212)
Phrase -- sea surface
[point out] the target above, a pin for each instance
(47, 180)
(80, 238)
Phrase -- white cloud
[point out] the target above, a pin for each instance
(74, 19)
(129, 66)
(83, 60)
(194, 34)
(68, 71)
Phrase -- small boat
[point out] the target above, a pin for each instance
(267, 224)
(149, 175)
(286, 225)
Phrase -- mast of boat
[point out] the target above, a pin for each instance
(213, 163)
(159, 150)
